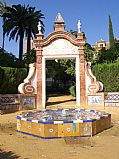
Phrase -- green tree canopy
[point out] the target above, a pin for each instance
(14, 24)
(30, 58)
(20, 20)
(89, 53)
(33, 17)
(110, 55)
(9, 60)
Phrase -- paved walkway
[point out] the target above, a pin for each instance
(61, 101)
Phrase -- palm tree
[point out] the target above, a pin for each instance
(2, 11)
(33, 17)
(20, 20)
(14, 24)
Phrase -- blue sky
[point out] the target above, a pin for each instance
(92, 13)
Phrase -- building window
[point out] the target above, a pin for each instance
(101, 45)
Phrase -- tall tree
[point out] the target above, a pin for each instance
(20, 20)
(110, 30)
(33, 17)
(14, 24)
(2, 11)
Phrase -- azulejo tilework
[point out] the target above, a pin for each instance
(114, 97)
(7, 99)
(63, 128)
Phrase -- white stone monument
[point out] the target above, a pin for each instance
(39, 27)
(79, 26)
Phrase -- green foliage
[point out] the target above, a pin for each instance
(9, 60)
(110, 55)
(6, 58)
(2, 8)
(10, 78)
(89, 53)
(68, 66)
(62, 74)
(72, 90)
(21, 20)
(55, 70)
(30, 58)
(108, 74)
(31, 29)
(1, 76)
(52, 69)
(15, 18)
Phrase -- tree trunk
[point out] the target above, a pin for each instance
(21, 45)
(3, 35)
(3, 40)
(29, 41)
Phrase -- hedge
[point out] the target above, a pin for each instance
(10, 78)
(108, 74)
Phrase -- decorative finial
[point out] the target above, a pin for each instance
(79, 26)
(39, 27)
(59, 19)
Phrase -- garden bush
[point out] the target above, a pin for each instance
(72, 90)
(108, 74)
(10, 78)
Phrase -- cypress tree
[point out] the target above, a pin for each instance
(110, 29)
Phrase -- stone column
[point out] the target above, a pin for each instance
(82, 77)
(82, 39)
(39, 77)
(77, 81)
(37, 41)
(43, 83)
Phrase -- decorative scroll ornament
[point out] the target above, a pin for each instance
(95, 85)
(26, 87)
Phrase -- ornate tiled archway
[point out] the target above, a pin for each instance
(59, 45)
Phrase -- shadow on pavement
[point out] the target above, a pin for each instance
(8, 155)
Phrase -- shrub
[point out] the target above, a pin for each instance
(1, 76)
(108, 74)
(72, 90)
(11, 78)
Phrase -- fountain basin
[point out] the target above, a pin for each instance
(63, 123)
